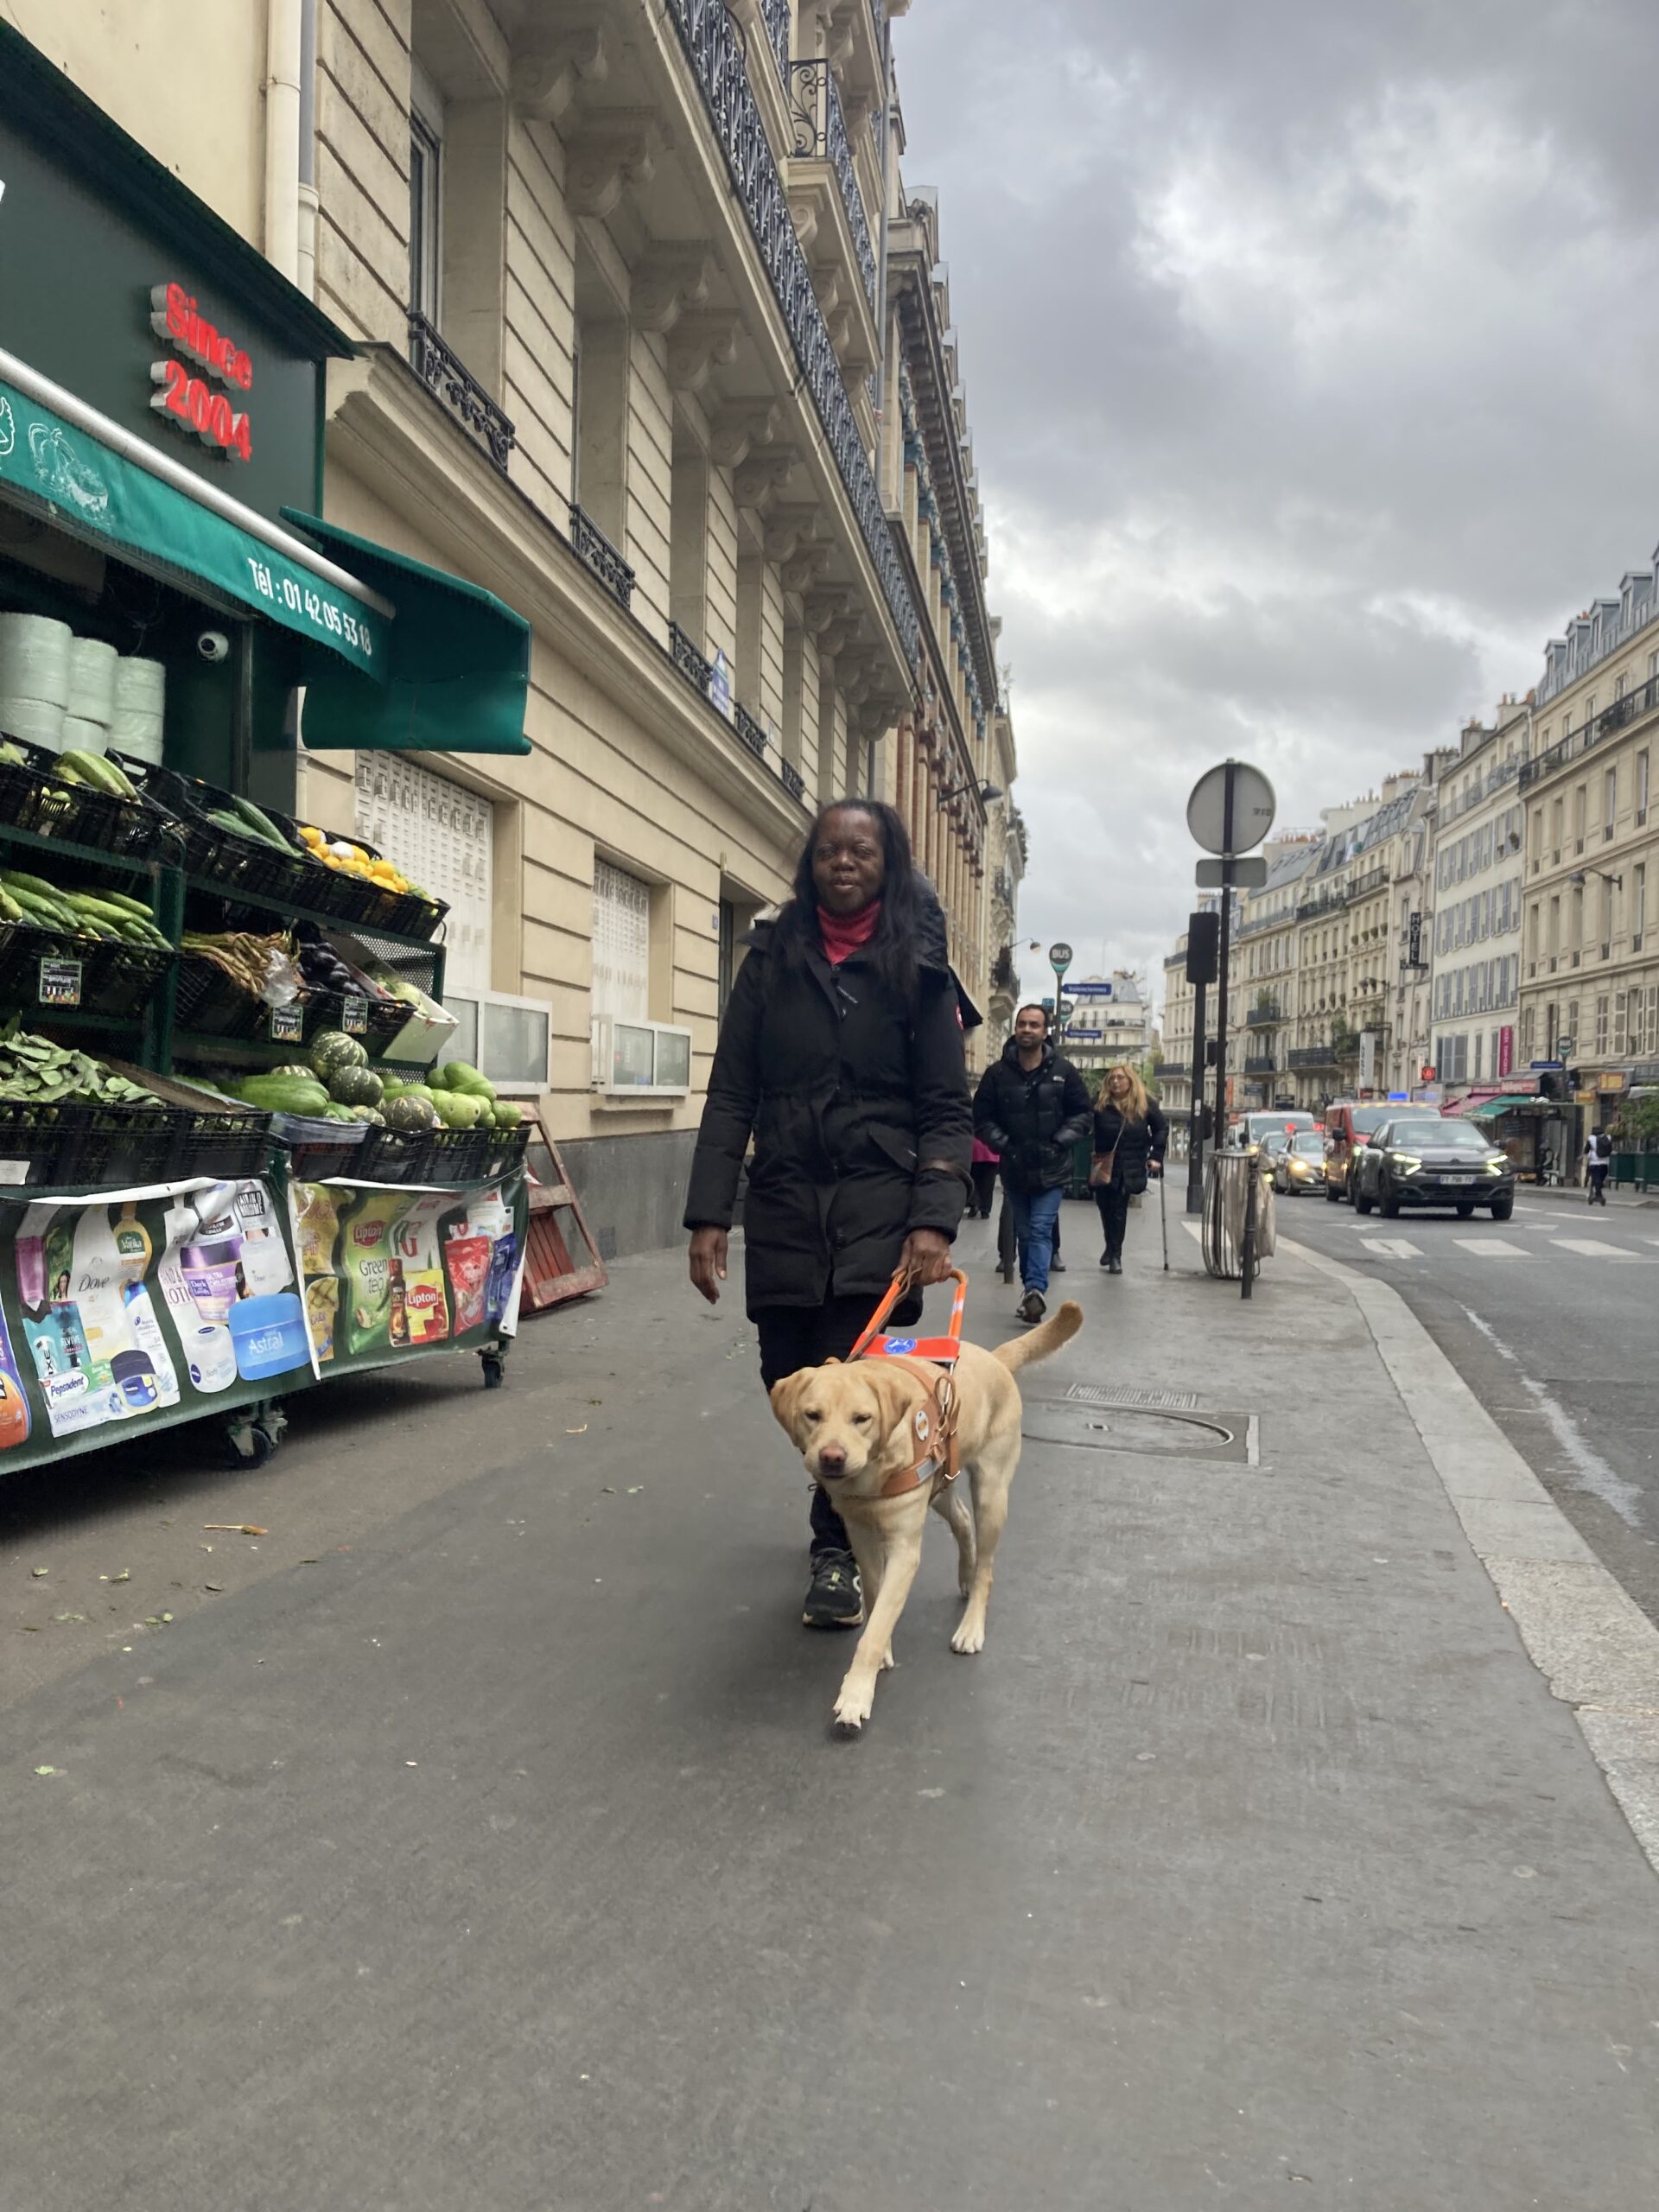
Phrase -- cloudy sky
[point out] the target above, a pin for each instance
(1310, 354)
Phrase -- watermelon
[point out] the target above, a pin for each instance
(355, 1086)
(333, 1048)
(411, 1114)
(461, 1075)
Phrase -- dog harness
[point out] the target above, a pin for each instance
(933, 1423)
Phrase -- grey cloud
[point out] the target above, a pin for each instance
(1305, 348)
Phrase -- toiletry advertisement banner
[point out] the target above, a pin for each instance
(386, 1271)
(160, 1301)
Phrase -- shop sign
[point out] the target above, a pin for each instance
(188, 401)
(1518, 1086)
(1506, 1050)
(60, 983)
(286, 1025)
(1611, 1079)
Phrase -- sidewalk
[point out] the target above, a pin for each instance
(1577, 1195)
(481, 1847)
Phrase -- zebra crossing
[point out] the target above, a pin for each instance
(1505, 1248)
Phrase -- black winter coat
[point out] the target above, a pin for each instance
(1131, 1143)
(1031, 1118)
(858, 1105)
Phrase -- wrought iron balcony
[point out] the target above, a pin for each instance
(456, 389)
(712, 46)
(820, 129)
(591, 546)
(791, 779)
(1259, 1064)
(1311, 1055)
(697, 671)
(777, 15)
(749, 730)
(1260, 1016)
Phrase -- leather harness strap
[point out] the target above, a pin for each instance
(932, 1424)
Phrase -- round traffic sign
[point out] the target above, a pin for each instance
(1059, 956)
(1252, 808)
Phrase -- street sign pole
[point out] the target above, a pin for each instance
(1195, 1139)
(1219, 1125)
(1060, 959)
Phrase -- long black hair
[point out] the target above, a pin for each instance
(892, 950)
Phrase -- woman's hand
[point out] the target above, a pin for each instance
(708, 1262)
(926, 1256)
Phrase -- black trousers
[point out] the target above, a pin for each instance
(984, 1186)
(1113, 1199)
(793, 1337)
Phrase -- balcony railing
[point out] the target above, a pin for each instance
(455, 388)
(1260, 1016)
(1259, 1064)
(820, 129)
(712, 46)
(1311, 1055)
(591, 546)
(697, 672)
(791, 779)
(1612, 717)
(749, 730)
(777, 15)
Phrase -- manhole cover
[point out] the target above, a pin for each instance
(1103, 1394)
(1120, 1427)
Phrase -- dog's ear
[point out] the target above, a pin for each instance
(785, 1396)
(896, 1393)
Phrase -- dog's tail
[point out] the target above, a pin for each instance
(1042, 1342)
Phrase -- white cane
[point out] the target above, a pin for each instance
(1163, 1215)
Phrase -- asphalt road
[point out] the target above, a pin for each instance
(1553, 1319)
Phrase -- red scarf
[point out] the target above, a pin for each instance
(844, 934)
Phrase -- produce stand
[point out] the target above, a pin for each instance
(192, 1221)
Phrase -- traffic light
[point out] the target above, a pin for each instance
(1203, 948)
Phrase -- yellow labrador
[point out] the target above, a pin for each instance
(855, 1427)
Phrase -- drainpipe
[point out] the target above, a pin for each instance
(306, 275)
(283, 44)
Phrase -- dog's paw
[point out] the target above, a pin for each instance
(888, 1662)
(969, 1638)
(852, 1710)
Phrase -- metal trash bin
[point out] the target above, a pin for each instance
(1237, 1209)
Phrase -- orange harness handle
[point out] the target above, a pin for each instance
(945, 1349)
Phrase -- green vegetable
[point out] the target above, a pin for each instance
(410, 1114)
(461, 1075)
(354, 1086)
(37, 1071)
(274, 1094)
(333, 1048)
(260, 824)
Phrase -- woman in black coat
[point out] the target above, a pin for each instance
(1131, 1136)
(841, 1052)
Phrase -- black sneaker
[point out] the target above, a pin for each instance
(1056, 1266)
(1032, 1307)
(834, 1596)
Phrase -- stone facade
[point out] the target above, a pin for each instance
(624, 361)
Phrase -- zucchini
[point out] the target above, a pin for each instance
(261, 825)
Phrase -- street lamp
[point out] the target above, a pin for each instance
(987, 793)
(1578, 875)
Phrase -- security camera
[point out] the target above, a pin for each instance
(214, 644)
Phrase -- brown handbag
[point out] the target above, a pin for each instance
(1100, 1169)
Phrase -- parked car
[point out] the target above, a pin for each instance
(1417, 1162)
(1348, 1129)
(1299, 1163)
(1252, 1128)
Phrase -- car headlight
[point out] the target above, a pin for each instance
(1408, 1162)
(1497, 1167)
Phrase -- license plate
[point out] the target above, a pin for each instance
(1456, 1179)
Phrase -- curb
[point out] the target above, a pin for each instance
(1595, 1647)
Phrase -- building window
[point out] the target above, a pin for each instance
(1601, 1028)
(443, 835)
(1609, 801)
(425, 195)
(621, 987)
(1638, 904)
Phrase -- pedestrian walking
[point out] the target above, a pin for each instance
(984, 1173)
(1131, 1137)
(1598, 1158)
(1031, 1108)
(841, 1054)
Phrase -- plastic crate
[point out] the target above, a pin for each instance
(424, 1156)
(394, 913)
(222, 1145)
(508, 1150)
(34, 798)
(76, 1144)
(116, 979)
(234, 862)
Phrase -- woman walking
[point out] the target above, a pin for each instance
(985, 1172)
(841, 1053)
(1131, 1136)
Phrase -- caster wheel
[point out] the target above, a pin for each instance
(251, 1444)
(495, 1373)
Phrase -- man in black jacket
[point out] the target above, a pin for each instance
(1032, 1107)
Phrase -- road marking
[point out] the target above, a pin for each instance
(1491, 1247)
(1392, 1248)
(1592, 1251)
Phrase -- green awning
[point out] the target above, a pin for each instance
(95, 491)
(455, 675)
(1489, 1107)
